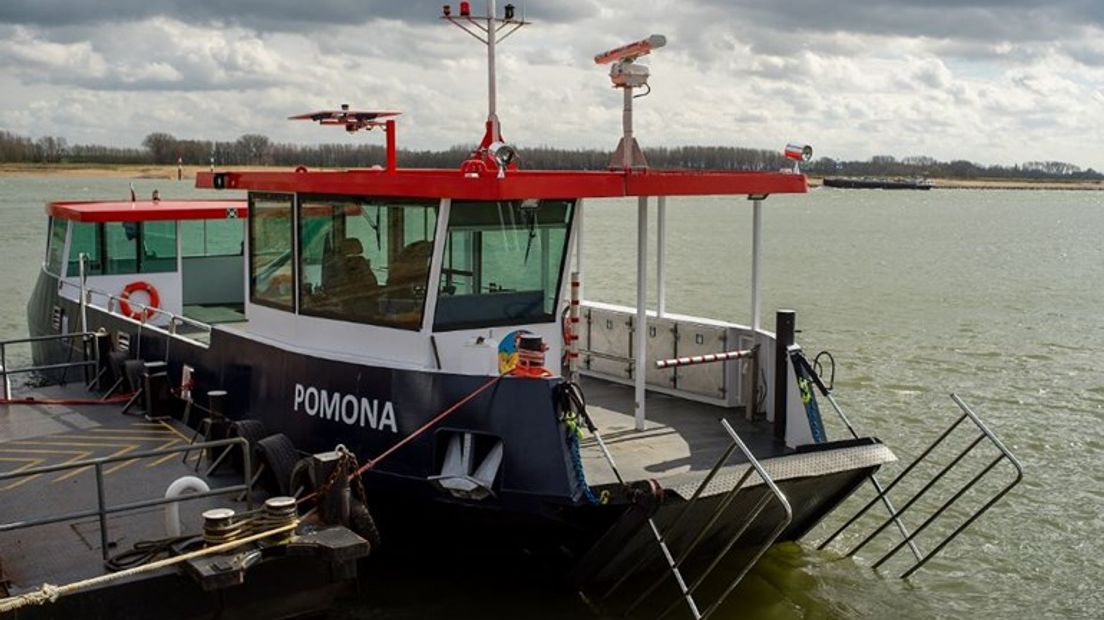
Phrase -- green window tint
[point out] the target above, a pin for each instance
(271, 255)
(193, 238)
(158, 247)
(55, 251)
(211, 237)
(502, 263)
(365, 261)
(224, 237)
(86, 239)
(121, 243)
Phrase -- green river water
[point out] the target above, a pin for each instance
(994, 295)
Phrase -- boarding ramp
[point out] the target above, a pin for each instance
(956, 466)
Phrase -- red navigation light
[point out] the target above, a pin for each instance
(446, 10)
(465, 9)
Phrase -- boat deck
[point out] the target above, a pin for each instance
(39, 435)
(680, 443)
(683, 439)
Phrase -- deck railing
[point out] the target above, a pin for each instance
(172, 322)
(89, 352)
(102, 509)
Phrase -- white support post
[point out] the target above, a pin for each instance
(756, 260)
(579, 245)
(640, 331)
(661, 256)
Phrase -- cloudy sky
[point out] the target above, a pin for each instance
(994, 81)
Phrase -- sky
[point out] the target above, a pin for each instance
(991, 81)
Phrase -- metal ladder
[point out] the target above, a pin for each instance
(983, 433)
(676, 564)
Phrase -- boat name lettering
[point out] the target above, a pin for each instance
(346, 408)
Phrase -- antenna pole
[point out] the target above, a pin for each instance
(492, 112)
(627, 125)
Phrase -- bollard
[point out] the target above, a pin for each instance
(785, 320)
(334, 505)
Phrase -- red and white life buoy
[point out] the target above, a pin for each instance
(150, 307)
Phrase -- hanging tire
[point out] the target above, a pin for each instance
(362, 523)
(279, 456)
(251, 431)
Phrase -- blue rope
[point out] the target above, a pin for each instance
(577, 463)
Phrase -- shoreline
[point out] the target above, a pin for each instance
(142, 171)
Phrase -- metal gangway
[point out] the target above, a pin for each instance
(982, 436)
(679, 560)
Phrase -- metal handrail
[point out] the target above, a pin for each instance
(5, 372)
(984, 433)
(112, 304)
(675, 564)
(102, 509)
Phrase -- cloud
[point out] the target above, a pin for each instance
(984, 80)
(283, 15)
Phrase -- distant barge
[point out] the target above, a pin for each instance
(873, 183)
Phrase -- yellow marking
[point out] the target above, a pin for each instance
(79, 456)
(123, 464)
(110, 438)
(30, 451)
(167, 456)
(30, 462)
(78, 444)
(172, 428)
(87, 467)
(123, 431)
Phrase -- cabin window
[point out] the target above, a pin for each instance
(55, 251)
(158, 243)
(502, 263)
(85, 239)
(133, 247)
(201, 238)
(271, 253)
(365, 260)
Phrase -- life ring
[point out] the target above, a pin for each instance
(150, 308)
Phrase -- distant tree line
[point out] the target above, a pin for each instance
(256, 149)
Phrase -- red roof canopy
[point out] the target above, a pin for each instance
(518, 184)
(148, 210)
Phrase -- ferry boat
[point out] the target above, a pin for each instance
(434, 323)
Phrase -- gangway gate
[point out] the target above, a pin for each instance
(984, 435)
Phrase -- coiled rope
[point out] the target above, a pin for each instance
(48, 593)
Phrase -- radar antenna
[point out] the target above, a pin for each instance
(627, 75)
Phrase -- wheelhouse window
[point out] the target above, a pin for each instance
(271, 253)
(55, 252)
(365, 260)
(121, 248)
(200, 238)
(86, 239)
(502, 263)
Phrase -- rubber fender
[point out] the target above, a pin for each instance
(180, 486)
(279, 455)
(362, 523)
(250, 430)
(303, 477)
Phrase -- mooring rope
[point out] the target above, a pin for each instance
(48, 593)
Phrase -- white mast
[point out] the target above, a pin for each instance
(486, 30)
